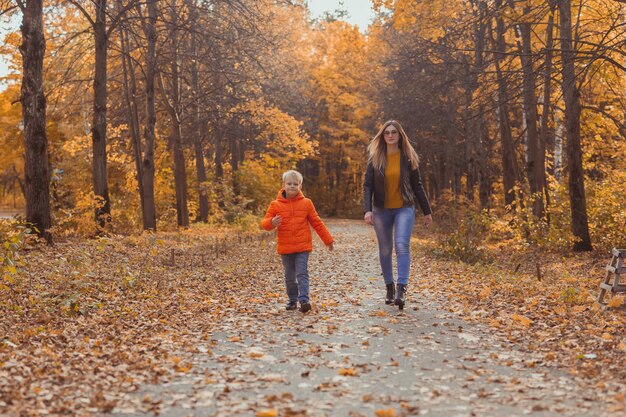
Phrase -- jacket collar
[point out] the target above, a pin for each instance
(282, 196)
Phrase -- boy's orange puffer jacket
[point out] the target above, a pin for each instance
(294, 233)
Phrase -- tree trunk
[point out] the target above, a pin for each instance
(571, 94)
(203, 214)
(476, 157)
(147, 164)
(180, 175)
(558, 147)
(509, 164)
(33, 101)
(132, 113)
(219, 168)
(530, 113)
(471, 138)
(99, 127)
(540, 171)
(233, 144)
(485, 180)
(203, 208)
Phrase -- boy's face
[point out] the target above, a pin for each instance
(292, 186)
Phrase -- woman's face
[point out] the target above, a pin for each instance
(391, 134)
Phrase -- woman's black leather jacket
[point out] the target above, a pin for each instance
(410, 185)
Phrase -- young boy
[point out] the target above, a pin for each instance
(291, 214)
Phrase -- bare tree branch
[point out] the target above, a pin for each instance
(9, 9)
(620, 125)
(118, 17)
(83, 11)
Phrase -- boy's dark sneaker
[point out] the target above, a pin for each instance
(304, 307)
(291, 305)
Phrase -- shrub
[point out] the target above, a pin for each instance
(606, 208)
(465, 243)
(12, 238)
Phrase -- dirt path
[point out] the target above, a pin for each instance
(9, 213)
(354, 356)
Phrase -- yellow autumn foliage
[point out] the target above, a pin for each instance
(524, 321)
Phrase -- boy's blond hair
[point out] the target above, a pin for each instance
(292, 173)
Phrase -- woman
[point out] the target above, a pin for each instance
(392, 185)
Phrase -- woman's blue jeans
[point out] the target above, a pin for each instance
(394, 227)
(297, 276)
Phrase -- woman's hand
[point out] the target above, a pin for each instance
(428, 220)
(277, 220)
(330, 247)
(368, 218)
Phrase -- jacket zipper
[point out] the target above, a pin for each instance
(293, 233)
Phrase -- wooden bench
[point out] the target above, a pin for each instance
(613, 271)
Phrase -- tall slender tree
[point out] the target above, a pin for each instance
(509, 162)
(529, 102)
(33, 101)
(571, 94)
(540, 171)
(149, 24)
(172, 101)
(147, 163)
(102, 29)
(143, 146)
(203, 206)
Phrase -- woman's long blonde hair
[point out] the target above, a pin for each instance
(378, 147)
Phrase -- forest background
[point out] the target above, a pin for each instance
(179, 116)
(160, 113)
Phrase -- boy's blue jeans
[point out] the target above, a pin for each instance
(394, 226)
(297, 276)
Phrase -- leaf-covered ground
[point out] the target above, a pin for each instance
(542, 302)
(193, 324)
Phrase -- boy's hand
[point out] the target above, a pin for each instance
(277, 220)
(330, 247)
(368, 218)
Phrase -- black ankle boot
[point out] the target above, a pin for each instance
(400, 296)
(391, 293)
